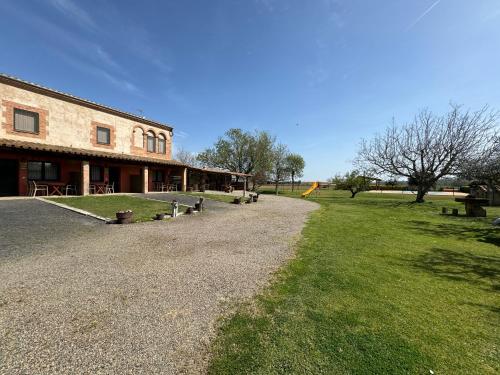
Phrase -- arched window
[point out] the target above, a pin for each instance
(151, 141)
(162, 144)
(138, 138)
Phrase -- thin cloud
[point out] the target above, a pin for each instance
(79, 64)
(414, 23)
(69, 8)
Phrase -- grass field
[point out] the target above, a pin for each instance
(379, 285)
(107, 206)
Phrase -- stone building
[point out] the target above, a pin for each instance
(57, 139)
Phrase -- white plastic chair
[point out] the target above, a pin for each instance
(36, 188)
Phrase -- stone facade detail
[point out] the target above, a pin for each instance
(8, 120)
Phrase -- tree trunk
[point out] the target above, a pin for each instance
(276, 188)
(421, 191)
(353, 193)
(293, 180)
(491, 193)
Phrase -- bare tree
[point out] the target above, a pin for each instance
(484, 167)
(430, 147)
(186, 157)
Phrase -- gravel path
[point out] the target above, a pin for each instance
(137, 299)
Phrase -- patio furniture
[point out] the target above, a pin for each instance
(70, 189)
(56, 188)
(473, 206)
(110, 189)
(34, 188)
(97, 188)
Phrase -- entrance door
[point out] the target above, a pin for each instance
(8, 178)
(114, 177)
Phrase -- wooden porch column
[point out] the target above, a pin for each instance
(85, 180)
(145, 179)
(184, 179)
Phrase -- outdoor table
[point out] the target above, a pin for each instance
(55, 188)
(473, 206)
(99, 188)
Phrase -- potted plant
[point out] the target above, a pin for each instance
(124, 217)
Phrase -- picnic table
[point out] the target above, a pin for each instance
(473, 206)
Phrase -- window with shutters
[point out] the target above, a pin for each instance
(26, 121)
(103, 136)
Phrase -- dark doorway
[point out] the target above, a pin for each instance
(114, 177)
(136, 183)
(9, 178)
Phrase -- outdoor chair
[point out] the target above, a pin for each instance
(70, 189)
(34, 188)
(92, 189)
(110, 189)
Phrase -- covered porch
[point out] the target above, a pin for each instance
(201, 179)
(35, 169)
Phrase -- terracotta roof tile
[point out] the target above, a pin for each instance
(32, 146)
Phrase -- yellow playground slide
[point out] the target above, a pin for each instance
(313, 187)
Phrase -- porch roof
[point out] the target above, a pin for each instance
(220, 171)
(32, 146)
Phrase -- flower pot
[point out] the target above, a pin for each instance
(124, 217)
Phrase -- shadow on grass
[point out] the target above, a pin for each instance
(461, 266)
(461, 230)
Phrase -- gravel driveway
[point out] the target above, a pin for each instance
(137, 299)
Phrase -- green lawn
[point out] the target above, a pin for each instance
(378, 286)
(227, 198)
(107, 206)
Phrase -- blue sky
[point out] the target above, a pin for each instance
(318, 74)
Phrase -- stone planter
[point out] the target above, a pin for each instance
(255, 197)
(124, 217)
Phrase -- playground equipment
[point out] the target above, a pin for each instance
(313, 187)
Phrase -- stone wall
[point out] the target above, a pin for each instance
(63, 123)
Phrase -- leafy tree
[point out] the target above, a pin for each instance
(279, 171)
(295, 164)
(240, 151)
(352, 181)
(428, 148)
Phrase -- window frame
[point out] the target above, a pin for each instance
(148, 137)
(42, 172)
(37, 121)
(107, 130)
(162, 139)
(101, 172)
